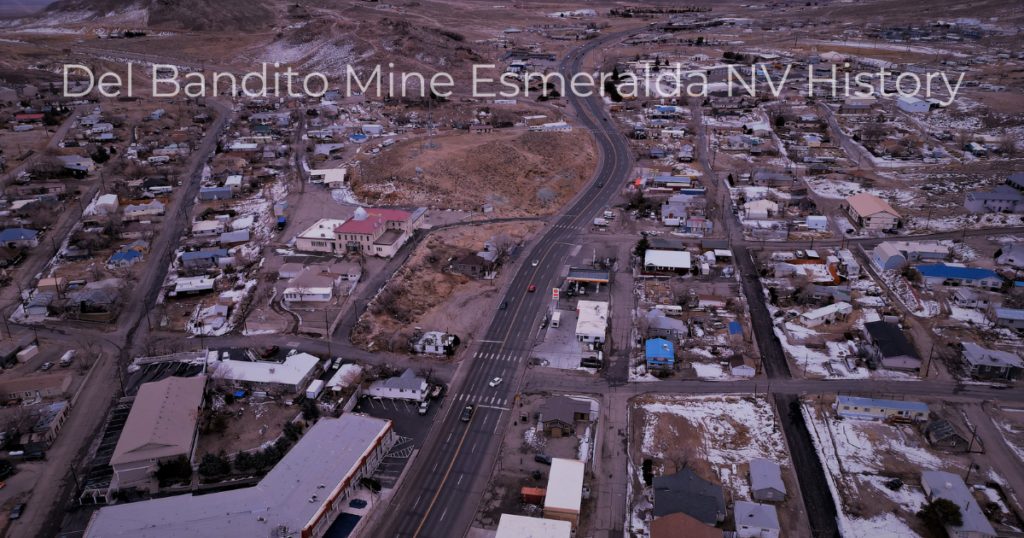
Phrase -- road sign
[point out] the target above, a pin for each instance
(554, 293)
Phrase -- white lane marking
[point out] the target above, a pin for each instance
(443, 514)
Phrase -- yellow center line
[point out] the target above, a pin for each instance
(446, 473)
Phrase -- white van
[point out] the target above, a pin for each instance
(65, 360)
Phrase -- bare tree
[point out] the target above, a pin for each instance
(502, 244)
(1008, 144)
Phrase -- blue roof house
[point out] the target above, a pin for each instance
(955, 275)
(126, 258)
(660, 354)
(19, 238)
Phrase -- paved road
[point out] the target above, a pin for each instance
(441, 493)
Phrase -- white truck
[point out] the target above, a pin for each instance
(314, 389)
(66, 359)
(600, 222)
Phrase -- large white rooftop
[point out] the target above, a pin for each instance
(291, 372)
(593, 318)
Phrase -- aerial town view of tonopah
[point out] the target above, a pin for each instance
(509, 269)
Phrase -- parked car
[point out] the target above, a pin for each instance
(34, 456)
(495, 382)
(541, 458)
(467, 413)
(270, 352)
(293, 352)
(424, 406)
(47, 366)
(18, 509)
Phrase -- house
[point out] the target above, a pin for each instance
(77, 162)
(660, 354)
(966, 298)
(870, 212)
(473, 265)
(376, 232)
(139, 245)
(887, 343)
(436, 343)
(1012, 255)
(861, 100)
(106, 204)
(212, 317)
(291, 376)
(886, 256)
(161, 426)
(680, 525)
(407, 386)
(943, 485)
(920, 250)
(766, 481)
(564, 495)
(19, 238)
(742, 366)
(35, 387)
(943, 436)
(660, 325)
(958, 275)
(192, 286)
(1003, 198)
(137, 211)
(1016, 181)
(849, 406)
(207, 228)
(303, 493)
(310, 285)
(666, 260)
(215, 193)
(58, 284)
(234, 183)
(756, 520)
(907, 103)
(1007, 317)
(684, 491)
(126, 258)
(817, 223)
(49, 420)
(319, 237)
(592, 321)
(332, 178)
(233, 239)
(39, 304)
(826, 314)
(760, 209)
(983, 363)
(203, 258)
(511, 526)
(559, 414)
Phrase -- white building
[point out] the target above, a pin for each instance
(137, 211)
(319, 237)
(871, 212)
(333, 178)
(826, 314)
(756, 520)
(912, 104)
(207, 227)
(435, 343)
(666, 260)
(565, 491)
(310, 285)
(407, 386)
(106, 205)
(510, 526)
(290, 376)
(555, 127)
(592, 323)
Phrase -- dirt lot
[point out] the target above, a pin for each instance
(261, 421)
(425, 293)
(519, 172)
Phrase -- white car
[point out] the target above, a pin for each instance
(536, 263)
(293, 352)
(495, 382)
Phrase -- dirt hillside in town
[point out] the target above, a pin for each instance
(519, 173)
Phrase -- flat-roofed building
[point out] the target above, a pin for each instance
(565, 491)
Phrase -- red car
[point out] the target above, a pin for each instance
(270, 351)
(533, 289)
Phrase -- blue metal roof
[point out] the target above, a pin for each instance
(735, 327)
(941, 270)
(126, 255)
(204, 254)
(659, 348)
(17, 234)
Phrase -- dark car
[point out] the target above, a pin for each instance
(270, 351)
(18, 509)
(504, 305)
(34, 456)
(541, 458)
(600, 184)
(467, 413)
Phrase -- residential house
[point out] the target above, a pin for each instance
(907, 103)
(660, 354)
(106, 204)
(376, 232)
(942, 274)
(204, 258)
(292, 376)
(826, 314)
(943, 436)
(760, 209)
(140, 246)
(967, 298)
(19, 238)
(1016, 181)
(78, 162)
(741, 366)
(660, 325)
(850, 406)
(436, 343)
(592, 321)
(49, 420)
(1012, 255)
(766, 482)
(138, 211)
(983, 363)
(311, 285)
(558, 414)
(666, 260)
(319, 237)
(332, 178)
(43, 385)
(473, 265)
(215, 193)
(870, 212)
(161, 426)
(920, 250)
(684, 491)
(126, 258)
(943, 485)
(407, 386)
(756, 520)
(1003, 198)
(1007, 317)
(233, 239)
(205, 228)
(888, 344)
(817, 223)
(192, 286)
(680, 525)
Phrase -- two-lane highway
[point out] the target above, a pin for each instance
(442, 491)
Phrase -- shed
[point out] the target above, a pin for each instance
(766, 481)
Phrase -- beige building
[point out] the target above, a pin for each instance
(565, 491)
(36, 386)
(160, 427)
(871, 212)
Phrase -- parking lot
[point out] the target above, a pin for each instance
(410, 426)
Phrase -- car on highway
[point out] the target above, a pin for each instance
(467, 413)
(46, 366)
(504, 305)
(18, 509)
(600, 184)
(533, 289)
(270, 351)
(495, 382)
(536, 263)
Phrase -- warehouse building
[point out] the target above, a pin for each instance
(565, 491)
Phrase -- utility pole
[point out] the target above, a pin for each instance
(928, 366)
(327, 333)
